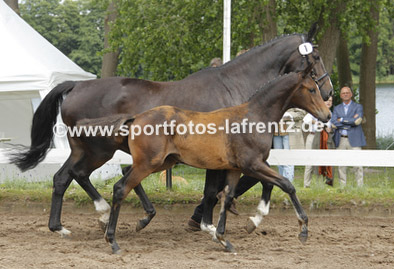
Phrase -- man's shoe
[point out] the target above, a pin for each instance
(193, 225)
(329, 181)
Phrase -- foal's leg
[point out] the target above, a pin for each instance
(261, 170)
(146, 203)
(121, 189)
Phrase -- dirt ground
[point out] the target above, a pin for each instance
(335, 241)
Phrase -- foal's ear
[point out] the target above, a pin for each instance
(307, 70)
(312, 32)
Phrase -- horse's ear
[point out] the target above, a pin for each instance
(312, 32)
(307, 70)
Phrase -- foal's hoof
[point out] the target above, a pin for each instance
(303, 237)
(250, 226)
(220, 237)
(229, 247)
(103, 225)
(116, 249)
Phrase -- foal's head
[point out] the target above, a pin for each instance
(307, 96)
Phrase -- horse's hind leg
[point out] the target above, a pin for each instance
(61, 181)
(146, 203)
(262, 209)
(232, 180)
(81, 172)
(214, 182)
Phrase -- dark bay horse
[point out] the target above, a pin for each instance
(206, 90)
(237, 152)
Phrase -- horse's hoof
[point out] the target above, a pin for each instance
(115, 248)
(64, 233)
(250, 226)
(117, 251)
(303, 237)
(140, 225)
(103, 225)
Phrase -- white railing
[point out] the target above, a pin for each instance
(372, 158)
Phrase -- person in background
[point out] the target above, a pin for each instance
(313, 127)
(325, 141)
(346, 119)
(281, 141)
(215, 62)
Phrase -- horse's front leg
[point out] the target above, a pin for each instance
(232, 180)
(267, 175)
(262, 209)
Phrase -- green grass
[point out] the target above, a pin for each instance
(378, 190)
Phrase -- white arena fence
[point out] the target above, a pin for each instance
(300, 157)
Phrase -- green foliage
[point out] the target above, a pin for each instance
(385, 142)
(169, 39)
(74, 27)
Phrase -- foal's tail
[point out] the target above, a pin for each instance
(115, 126)
(42, 128)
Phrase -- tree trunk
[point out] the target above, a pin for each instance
(328, 43)
(110, 59)
(14, 5)
(343, 63)
(367, 80)
(268, 25)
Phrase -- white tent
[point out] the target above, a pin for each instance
(30, 67)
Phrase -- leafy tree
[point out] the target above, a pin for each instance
(74, 27)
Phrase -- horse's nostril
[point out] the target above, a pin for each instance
(331, 92)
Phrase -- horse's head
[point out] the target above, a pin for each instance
(307, 96)
(304, 55)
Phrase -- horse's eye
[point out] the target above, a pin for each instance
(313, 74)
(312, 90)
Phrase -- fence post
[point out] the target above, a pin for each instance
(169, 179)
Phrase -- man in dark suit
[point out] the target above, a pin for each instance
(347, 118)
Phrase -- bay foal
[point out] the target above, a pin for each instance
(240, 151)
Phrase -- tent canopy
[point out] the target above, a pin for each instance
(28, 60)
(30, 67)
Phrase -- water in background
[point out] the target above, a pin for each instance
(385, 107)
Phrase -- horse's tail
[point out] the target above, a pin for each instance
(42, 128)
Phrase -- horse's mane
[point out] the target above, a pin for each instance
(255, 48)
(267, 85)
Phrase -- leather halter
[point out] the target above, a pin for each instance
(304, 57)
